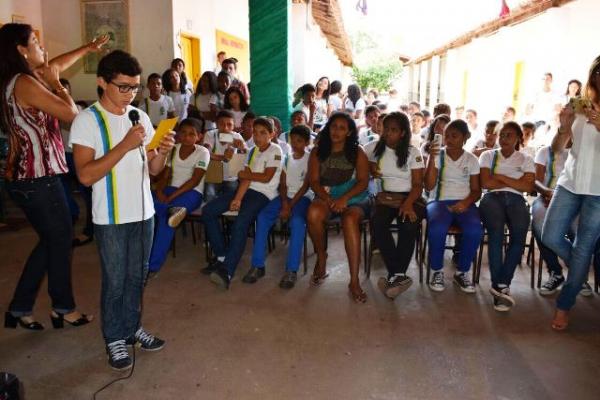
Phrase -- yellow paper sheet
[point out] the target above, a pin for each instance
(164, 127)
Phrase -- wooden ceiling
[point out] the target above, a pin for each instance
(328, 16)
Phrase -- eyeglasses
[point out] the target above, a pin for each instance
(127, 88)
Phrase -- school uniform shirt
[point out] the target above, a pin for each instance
(258, 161)
(367, 135)
(394, 179)
(286, 137)
(352, 108)
(529, 150)
(480, 144)
(454, 177)
(581, 174)
(116, 198)
(415, 140)
(216, 147)
(554, 163)
(183, 170)
(238, 116)
(203, 103)
(369, 148)
(304, 108)
(181, 101)
(285, 148)
(157, 110)
(336, 102)
(295, 174)
(515, 166)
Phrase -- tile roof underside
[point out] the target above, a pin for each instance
(328, 16)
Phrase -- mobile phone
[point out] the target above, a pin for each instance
(225, 137)
(437, 140)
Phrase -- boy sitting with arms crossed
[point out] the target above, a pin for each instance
(258, 185)
(157, 105)
(292, 203)
(180, 192)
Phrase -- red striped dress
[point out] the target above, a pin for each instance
(35, 143)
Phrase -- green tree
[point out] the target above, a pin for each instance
(378, 76)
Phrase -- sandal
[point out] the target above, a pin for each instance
(560, 324)
(315, 279)
(358, 297)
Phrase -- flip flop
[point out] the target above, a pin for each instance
(316, 280)
(359, 298)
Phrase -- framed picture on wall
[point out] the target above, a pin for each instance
(104, 17)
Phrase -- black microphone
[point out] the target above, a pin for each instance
(134, 117)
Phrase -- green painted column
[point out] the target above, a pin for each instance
(270, 58)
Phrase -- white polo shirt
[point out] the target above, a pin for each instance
(554, 164)
(159, 109)
(515, 166)
(367, 135)
(258, 161)
(181, 101)
(183, 170)
(454, 177)
(295, 174)
(581, 174)
(394, 179)
(116, 198)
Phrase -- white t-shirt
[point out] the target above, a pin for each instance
(216, 147)
(415, 140)
(529, 150)
(480, 144)
(181, 101)
(258, 161)
(203, 103)
(515, 166)
(581, 174)
(157, 110)
(183, 170)
(336, 102)
(238, 116)
(553, 162)
(367, 135)
(352, 108)
(369, 148)
(295, 174)
(394, 179)
(117, 198)
(285, 147)
(455, 177)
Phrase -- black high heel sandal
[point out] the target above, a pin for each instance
(10, 321)
(58, 322)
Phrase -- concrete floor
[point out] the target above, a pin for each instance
(259, 342)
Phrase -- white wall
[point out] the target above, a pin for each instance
(311, 58)
(30, 9)
(556, 41)
(150, 38)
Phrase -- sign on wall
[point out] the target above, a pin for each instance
(234, 46)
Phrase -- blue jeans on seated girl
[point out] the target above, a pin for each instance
(212, 190)
(439, 220)
(497, 210)
(297, 223)
(563, 209)
(252, 203)
(163, 236)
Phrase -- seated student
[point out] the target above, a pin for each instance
(285, 146)
(548, 167)
(297, 118)
(370, 133)
(291, 204)
(354, 105)
(416, 124)
(258, 186)
(247, 128)
(334, 104)
(436, 127)
(399, 166)
(223, 144)
(528, 139)
(307, 105)
(369, 148)
(180, 95)
(338, 175)
(452, 180)
(206, 99)
(506, 173)
(490, 142)
(180, 191)
(236, 103)
(157, 105)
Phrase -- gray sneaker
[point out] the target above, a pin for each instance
(464, 283)
(552, 284)
(395, 285)
(176, 215)
(437, 282)
(289, 280)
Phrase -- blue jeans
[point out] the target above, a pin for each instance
(212, 190)
(498, 209)
(45, 206)
(563, 209)
(439, 220)
(265, 220)
(163, 236)
(252, 203)
(67, 180)
(538, 214)
(124, 251)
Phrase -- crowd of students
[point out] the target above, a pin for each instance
(344, 158)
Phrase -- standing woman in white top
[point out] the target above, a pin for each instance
(321, 103)
(506, 173)
(177, 92)
(354, 104)
(179, 65)
(577, 193)
(399, 166)
(452, 179)
(335, 100)
(236, 103)
(206, 99)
